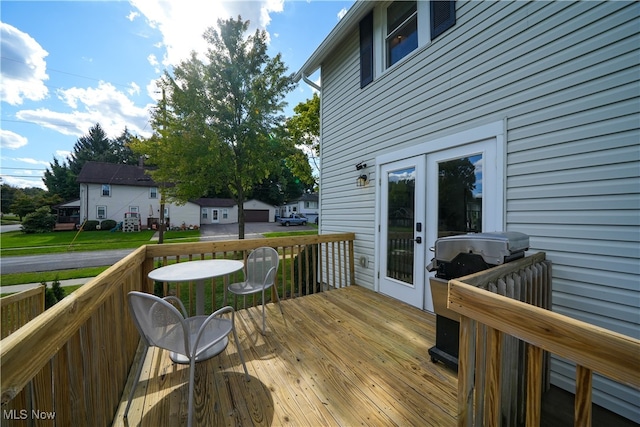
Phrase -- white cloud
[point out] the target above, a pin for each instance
(11, 140)
(104, 104)
(32, 162)
(23, 69)
(132, 15)
(182, 24)
(342, 12)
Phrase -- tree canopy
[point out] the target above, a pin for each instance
(304, 128)
(60, 178)
(220, 125)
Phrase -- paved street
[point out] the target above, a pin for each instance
(64, 261)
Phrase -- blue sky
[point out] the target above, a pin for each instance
(67, 65)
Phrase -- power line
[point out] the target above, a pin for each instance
(26, 169)
(64, 72)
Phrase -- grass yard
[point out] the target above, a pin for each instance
(18, 243)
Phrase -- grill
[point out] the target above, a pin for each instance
(458, 256)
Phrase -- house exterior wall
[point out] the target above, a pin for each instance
(120, 201)
(563, 77)
(182, 215)
(231, 215)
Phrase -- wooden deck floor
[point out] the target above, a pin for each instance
(340, 358)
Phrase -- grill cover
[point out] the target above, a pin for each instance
(495, 248)
(457, 256)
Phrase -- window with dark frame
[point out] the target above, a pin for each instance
(402, 30)
(106, 190)
(403, 19)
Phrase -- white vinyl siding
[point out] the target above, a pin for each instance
(564, 77)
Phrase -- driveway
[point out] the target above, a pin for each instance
(252, 230)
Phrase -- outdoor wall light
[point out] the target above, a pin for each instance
(362, 180)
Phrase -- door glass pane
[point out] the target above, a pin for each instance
(400, 220)
(460, 196)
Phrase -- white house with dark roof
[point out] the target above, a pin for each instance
(307, 204)
(535, 104)
(109, 191)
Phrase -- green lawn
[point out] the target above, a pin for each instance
(18, 243)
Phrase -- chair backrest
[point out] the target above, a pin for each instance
(259, 263)
(159, 322)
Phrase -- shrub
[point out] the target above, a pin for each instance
(53, 294)
(306, 263)
(40, 221)
(107, 224)
(90, 225)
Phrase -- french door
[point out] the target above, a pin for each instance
(426, 197)
(402, 268)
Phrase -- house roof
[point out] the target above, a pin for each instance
(308, 197)
(357, 11)
(115, 174)
(215, 202)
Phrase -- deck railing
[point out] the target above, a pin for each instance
(486, 314)
(69, 365)
(19, 308)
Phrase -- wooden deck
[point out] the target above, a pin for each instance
(344, 357)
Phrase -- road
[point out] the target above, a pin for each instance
(65, 261)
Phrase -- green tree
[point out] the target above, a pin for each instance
(39, 221)
(23, 204)
(8, 194)
(60, 178)
(216, 121)
(304, 129)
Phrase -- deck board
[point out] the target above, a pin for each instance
(344, 357)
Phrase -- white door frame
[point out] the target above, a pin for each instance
(488, 139)
(411, 293)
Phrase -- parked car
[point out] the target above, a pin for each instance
(294, 219)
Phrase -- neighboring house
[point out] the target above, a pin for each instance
(307, 205)
(217, 211)
(449, 117)
(109, 191)
(68, 213)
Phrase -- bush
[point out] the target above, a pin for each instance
(307, 270)
(53, 294)
(40, 221)
(107, 224)
(90, 225)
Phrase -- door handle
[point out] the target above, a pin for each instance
(417, 239)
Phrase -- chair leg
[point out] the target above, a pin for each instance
(192, 373)
(235, 337)
(263, 314)
(278, 298)
(137, 379)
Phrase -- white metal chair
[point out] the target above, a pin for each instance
(188, 339)
(259, 275)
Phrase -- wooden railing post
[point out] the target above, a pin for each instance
(534, 386)
(582, 404)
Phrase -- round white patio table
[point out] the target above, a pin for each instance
(197, 271)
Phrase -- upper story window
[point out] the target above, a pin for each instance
(402, 30)
(106, 190)
(395, 29)
(153, 192)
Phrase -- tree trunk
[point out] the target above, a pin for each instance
(240, 202)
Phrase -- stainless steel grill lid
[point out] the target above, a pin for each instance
(495, 248)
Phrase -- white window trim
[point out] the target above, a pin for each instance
(98, 212)
(380, 36)
(102, 190)
(153, 192)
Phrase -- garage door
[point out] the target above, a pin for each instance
(256, 215)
